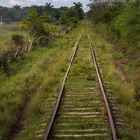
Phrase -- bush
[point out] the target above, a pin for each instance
(17, 40)
(33, 25)
(43, 40)
(120, 21)
(128, 24)
(105, 12)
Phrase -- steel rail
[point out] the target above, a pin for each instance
(107, 105)
(61, 91)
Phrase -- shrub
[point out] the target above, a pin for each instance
(17, 40)
(128, 24)
(35, 27)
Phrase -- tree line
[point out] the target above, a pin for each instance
(18, 13)
(34, 21)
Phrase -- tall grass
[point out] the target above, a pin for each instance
(6, 31)
(120, 88)
(16, 87)
(34, 77)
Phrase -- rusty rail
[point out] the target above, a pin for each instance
(107, 105)
(61, 91)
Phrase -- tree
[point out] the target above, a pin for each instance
(48, 7)
(71, 16)
(104, 12)
(78, 7)
(18, 42)
(127, 24)
(35, 29)
(17, 7)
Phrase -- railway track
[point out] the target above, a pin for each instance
(82, 110)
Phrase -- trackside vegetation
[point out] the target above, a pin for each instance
(25, 76)
(121, 92)
(36, 26)
(119, 22)
(36, 45)
(35, 58)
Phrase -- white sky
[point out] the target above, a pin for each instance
(56, 3)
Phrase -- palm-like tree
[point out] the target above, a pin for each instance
(17, 7)
(48, 7)
(78, 7)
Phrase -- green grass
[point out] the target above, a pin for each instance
(16, 87)
(40, 109)
(5, 35)
(40, 77)
(29, 74)
(121, 89)
(80, 79)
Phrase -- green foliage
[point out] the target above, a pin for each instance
(42, 40)
(123, 19)
(128, 24)
(136, 79)
(79, 11)
(46, 14)
(6, 32)
(71, 16)
(17, 40)
(121, 22)
(30, 74)
(48, 7)
(105, 12)
(15, 88)
(45, 18)
(33, 25)
(122, 91)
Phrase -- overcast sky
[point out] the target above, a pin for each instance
(56, 3)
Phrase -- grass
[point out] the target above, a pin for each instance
(122, 90)
(15, 88)
(5, 35)
(38, 76)
(42, 103)
(50, 70)
(127, 52)
(32, 75)
(79, 83)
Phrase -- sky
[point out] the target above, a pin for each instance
(56, 3)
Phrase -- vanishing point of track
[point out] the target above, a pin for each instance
(82, 110)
